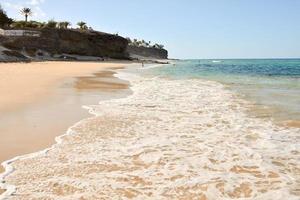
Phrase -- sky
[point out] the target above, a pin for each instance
(187, 28)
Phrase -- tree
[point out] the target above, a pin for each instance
(82, 25)
(26, 12)
(51, 24)
(129, 40)
(4, 19)
(64, 25)
(158, 46)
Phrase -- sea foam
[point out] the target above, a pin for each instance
(170, 139)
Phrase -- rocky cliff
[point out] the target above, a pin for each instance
(76, 42)
(147, 52)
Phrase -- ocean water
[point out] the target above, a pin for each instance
(183, 133)
(273, 85)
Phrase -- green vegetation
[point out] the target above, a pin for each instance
(158, 46)
(4, 19)
(26, 12)
(28, 24)
(63, 25)
(51, 24)
(143, 43)
(82, 25)
(36, 24)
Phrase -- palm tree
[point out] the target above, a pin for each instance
(82, 25)
(160, 46)
(26, 12)
(135, 42)
(64, 25)
(67, 24)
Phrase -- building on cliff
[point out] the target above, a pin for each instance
(19, 33)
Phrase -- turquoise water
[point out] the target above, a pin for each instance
(272, 84)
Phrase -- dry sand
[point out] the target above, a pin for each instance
(23, 83)
(41, 100)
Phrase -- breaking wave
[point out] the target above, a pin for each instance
(170, 139)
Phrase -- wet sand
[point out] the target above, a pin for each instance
(39, 101)
(292, 123)
(166, 141)
(277, 116)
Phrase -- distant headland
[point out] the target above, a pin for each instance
(33, 40)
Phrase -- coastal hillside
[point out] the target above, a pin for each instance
(24, 40)
(52, 42)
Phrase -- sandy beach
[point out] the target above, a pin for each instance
(22, 83)
(39, 101)
(168, 139)
(164, 141)
(122, 100)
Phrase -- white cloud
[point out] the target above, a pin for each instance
(35, 2)
(38, 12)
(12, 6)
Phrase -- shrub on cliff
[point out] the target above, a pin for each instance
(24, 24)
(63, 25)
(4, 19)
(82, 25)
(51, 24)
(18, 24)
(158, 46)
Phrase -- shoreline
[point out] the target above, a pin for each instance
(8, 169)
(8, 190)
(146, 151)
(268, 173)
(101, 79)
(43, 119)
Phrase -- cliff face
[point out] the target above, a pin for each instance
(136, 52)
(59, 41)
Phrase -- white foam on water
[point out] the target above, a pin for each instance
(170, 139)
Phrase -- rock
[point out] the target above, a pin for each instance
(147, 52)
(70, 41)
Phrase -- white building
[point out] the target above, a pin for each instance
(19, 33)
